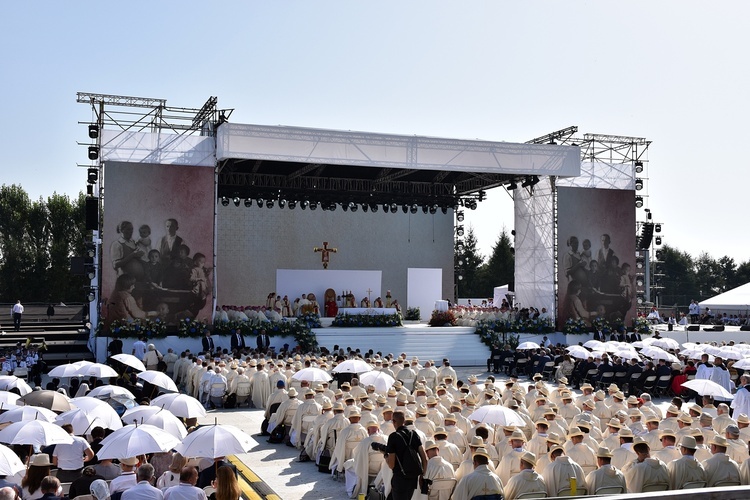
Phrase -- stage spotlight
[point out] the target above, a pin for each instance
(292, 204)
(373, 207)
(512, 185)
(248, 202)
(534, 182)
(638, 184)
(425, 208)
(313, 205)
(354, 207)
(394, 208)
(225, 201)
(639, 263)
(483, 194)
(365, 207)
(658, 240)
(269, 204)
(91, 295)
(640, 298)
(414, 208)
(93, 131)
(638, 201)
(259, 201)
(638, 167)
(657, 228)
(345, 207)
(459, 231)
(526, 182)
(93, 152)
(332, 206)
(89, 190)
(433, 209)
(303, 204)
(660, 255)
(386, 207)
(93, 175)
(444, 210)
(236, 201)
(282, 203)
(460, 216)
(405, 208)
(472, 204)
(639, 281)
(459, 246)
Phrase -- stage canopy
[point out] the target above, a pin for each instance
(333, 166)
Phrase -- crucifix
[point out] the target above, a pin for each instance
(369, 302)
(324, 253)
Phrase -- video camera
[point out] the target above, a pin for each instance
(378, 446)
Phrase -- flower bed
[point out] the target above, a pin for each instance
(366, 320)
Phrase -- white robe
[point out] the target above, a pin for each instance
(345, 445)
(261, 388)
(364, 464)
(479, 482)
(527, 481)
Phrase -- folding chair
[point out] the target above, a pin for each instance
(649, 383)
(609, 490)
(691, 485)
(647, 488)
(662, 385)
(607, 378)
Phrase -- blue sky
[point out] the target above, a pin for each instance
(673, 72)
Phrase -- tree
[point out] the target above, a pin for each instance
(679, 280)
(709, 275)
(468, 263)
(500, 267)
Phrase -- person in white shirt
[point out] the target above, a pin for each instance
(186, 490)
(127, 478)
(143, 490)
(17, 313)
(69, 458)
(139, 349)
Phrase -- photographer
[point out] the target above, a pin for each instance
(406, 458)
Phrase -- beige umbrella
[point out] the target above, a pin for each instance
(52, 400)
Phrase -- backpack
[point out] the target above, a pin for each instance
(277, 435)
(410, 464)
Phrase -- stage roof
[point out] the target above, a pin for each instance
(294, 163)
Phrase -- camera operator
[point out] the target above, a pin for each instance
(401, 461)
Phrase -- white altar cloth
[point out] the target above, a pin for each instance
(369, 311)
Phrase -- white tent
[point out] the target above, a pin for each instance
(734, 301)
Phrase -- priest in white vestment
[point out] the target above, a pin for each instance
(347, 440)
(306, 413)
(481, 481)
(439, 473)
(366, 462)
(527, 481)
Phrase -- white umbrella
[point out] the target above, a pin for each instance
(712, 349)
(139, 412)
(591, 344)
(352, 366)
(8, 382)
(165, 420)
(381, 381)
(69, 370)
(181, 405)
(35, 433)
(666, 343)
(10, 464)
(743, 364)
(97, 408)
(498, 415)
(213, 441)
(706, 387)
(108, 391)
(98, 370)
(730, 353)
(81, 421)
(159, 379)
(131, 361)
(578, 352)
(312, 374)
(690, 345)
(527, 345)
(9, 397)
(28, 413)
(134, 440)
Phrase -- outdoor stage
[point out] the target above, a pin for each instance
(459, 344)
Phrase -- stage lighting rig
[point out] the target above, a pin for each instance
(248, 202)
(225, 201)
(638, 201)
(93, 175)
(638, 167)
(236, 201)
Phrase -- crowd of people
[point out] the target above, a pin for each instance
(609, 437)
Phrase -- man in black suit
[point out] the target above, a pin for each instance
(209, 473)
(208, 342)
(238, 341)
(263, 341)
